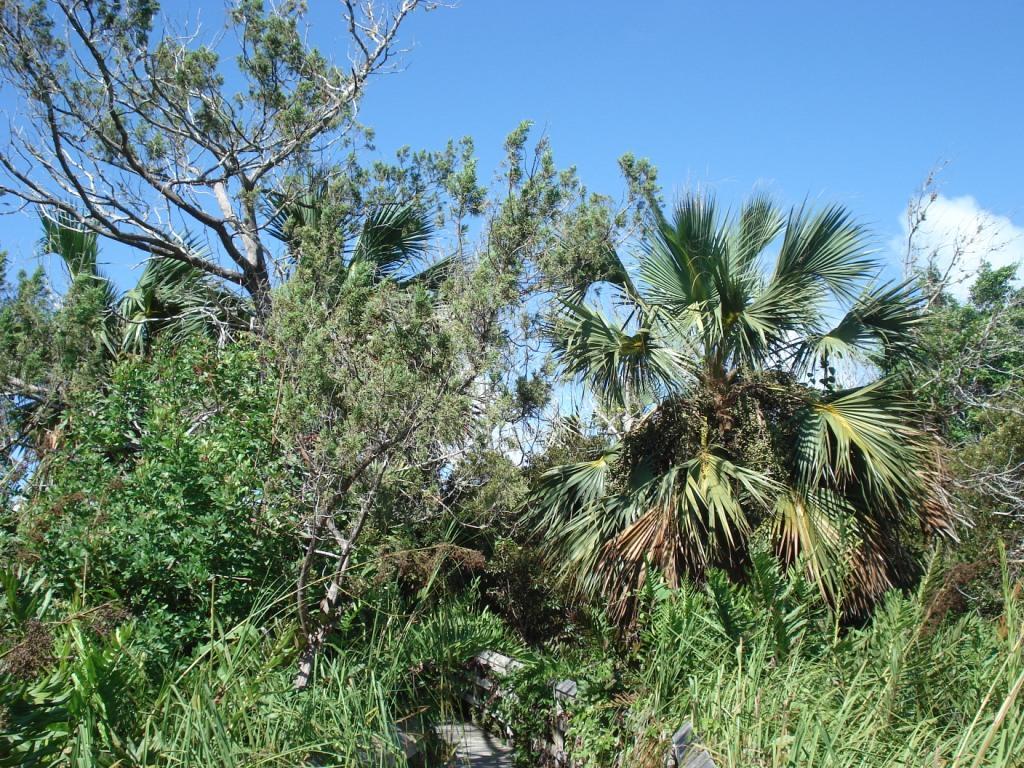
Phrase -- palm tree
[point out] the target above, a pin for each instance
(391, 242)
(174, 298)
(177, 300)
(170, 297)
(737, 433)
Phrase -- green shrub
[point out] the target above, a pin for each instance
(70, 680)
(160, 494)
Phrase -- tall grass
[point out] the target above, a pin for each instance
(762, 670)
(389, 675)
(387, 678)
(767, 681)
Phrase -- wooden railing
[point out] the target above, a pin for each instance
(486, 690)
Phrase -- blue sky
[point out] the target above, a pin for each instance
(845, 102)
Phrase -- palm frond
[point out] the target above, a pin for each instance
(827, 249)
(677, 256)
(879, 325)
(572, 516)
(393, 237)
(873, 477)
(658, 535)
(694, 508)
(614, 363)
(738, 279)
(615, 273)
(611, 270)
(760, 222)
(718, 488)
(781, 309)
(432, 276)
(173, 297)
(77, 246)
(809, 526)
(823, 256)
(78, 249)
(860, 436)
(288, 213)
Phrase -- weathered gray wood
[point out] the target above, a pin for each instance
(474, 747)
(565, 690)
(499, 663)
(686, 751)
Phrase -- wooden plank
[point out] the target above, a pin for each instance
(499, 662)
(474, 748)
(686, 751)
(565, 690)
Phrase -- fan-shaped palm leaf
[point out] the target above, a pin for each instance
(880, 325)
(679, 259)
(824, 249)
(76, 246)
(577, 521)
(290, 213)
(78, 249)
(810, 526)
(393, 238)
(760, 222)
(615, 363)
(175, 298)
(860, 429)
(702, 501)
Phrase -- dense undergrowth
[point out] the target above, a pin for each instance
(763, 671)
(769, 679)
(150, 616)
(75, 690)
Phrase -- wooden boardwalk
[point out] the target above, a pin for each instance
(475, 748)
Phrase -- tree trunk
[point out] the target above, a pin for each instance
(315, 637)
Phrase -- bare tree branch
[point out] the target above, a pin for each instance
(132, 130)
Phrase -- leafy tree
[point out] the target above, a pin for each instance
(392, 240)
(375, 383)
(57, 345)
(393, 386)
(160, 140)
(160, 494)
(170, 296)
(973, 354)
(48, 348)
(971, 383)
(722, 444)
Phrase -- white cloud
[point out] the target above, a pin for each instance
(957, 235)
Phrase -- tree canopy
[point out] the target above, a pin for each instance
(181, 146)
